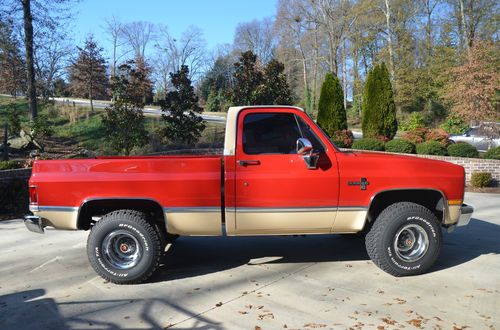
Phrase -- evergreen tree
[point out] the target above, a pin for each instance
(124, 119)
(331, 115)
(247, 78)
(87, 75)
(141, 81)
(181, 110)
(379, 111)
(274, 88)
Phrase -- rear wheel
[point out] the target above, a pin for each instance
(124, 248)
(405, 239)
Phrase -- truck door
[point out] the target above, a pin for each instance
(275, 191)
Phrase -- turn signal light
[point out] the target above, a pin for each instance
(33, 195)
(455, 202)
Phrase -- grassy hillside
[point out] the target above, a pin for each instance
(77, 126)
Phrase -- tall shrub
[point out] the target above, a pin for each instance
(379, 110)
(331, 115)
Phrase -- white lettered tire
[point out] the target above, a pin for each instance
(405, 239)
(124, 248)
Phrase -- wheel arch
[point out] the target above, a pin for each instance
(93, 207)
(433, 199)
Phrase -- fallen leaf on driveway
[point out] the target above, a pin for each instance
(242, 312)
(218, 304)
(400, 301)
(388, 320)
(266, 316)
(416, 323)
(258, 328)
(314, 325)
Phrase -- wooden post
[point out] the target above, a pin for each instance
(5, 143)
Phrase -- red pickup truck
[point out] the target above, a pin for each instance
(279, 175)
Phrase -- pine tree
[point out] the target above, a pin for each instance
(379, 110)
(181, 110)
(88, 76)
(124, 119)
(274, 88)
(331, 115)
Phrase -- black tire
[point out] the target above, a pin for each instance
(389, 241)
(124, 238)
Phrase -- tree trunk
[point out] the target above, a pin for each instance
(344, 74)
(463, 25)
(315, 68)
(28, 43)
(388, 14)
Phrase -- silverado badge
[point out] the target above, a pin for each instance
(363, 183)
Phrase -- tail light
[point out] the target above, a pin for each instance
(33, 195)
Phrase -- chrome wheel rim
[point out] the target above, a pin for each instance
(411, 243)
(121, 249)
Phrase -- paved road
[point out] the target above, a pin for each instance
(146, 110)
(232, 283)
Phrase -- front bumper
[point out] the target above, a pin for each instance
(465, 215)
(34, 224)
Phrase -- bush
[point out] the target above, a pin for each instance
(343, 139)
(438, 135)
(401, 146)
(493, 153)
(41, 127)
(421, 135)
(368, 144)
(414, 121)
(480, 179)
(9, 165)
(431, 148)
(454, 124)
(416, 136)
(462, 149)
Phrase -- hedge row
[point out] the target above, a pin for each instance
(460, 149)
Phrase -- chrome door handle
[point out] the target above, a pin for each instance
(248, 162)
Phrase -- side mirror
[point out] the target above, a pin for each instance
(304, 146)
(305, 149)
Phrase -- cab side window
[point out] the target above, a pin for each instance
(270, 133)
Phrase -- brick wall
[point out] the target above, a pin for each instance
(470, 164)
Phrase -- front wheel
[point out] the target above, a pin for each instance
(124, 248)
(405, 239)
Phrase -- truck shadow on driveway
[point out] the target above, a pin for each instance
(196, 256)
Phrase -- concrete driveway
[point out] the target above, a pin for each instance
(267, 282)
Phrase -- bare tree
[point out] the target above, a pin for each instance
(337, 19)
(115, 30)
(51, 57)
(257, 36)
(138, 35)
(189, 50)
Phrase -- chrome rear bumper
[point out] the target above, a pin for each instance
(34, 224)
